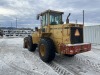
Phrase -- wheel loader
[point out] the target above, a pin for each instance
(56, 37)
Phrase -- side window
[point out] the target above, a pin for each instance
(43, 20)
(51, 19)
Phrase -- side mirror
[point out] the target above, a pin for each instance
(38, 17)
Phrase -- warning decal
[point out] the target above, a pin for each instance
(77, 32)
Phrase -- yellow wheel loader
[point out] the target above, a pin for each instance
(56, 37)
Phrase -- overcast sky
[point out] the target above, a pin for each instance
(26, 10)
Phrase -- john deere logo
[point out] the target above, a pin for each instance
(77, 32)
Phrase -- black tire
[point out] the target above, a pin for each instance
(69, 55)
(49, 53)
(25, 42)
(31, 46)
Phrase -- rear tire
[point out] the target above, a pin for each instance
(31, 46)
(46, 49)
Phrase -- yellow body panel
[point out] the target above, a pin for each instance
(35, 37)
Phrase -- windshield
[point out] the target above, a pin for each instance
(55, 19)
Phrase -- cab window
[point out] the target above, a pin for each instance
(44, 20)
(55, 19)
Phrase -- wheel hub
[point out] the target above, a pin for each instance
(42, 49)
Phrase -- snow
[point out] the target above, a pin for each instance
(96, 46)
(15, 60)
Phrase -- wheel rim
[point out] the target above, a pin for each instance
(42, 49)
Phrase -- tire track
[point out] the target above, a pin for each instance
(10, 63)
(22, 70)
(69, 69)
(94, 66)
(29, 57)
(78, 59)
(59, 69)
(56, 67)
(28, 72)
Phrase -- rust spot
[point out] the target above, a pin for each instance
(62, 47)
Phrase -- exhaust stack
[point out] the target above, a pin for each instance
(67, 20)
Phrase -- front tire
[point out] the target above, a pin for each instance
(31, 46)
(46, 49)
(25, 42)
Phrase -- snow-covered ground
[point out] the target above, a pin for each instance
(15, 60)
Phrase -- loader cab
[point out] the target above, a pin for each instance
(50, 17)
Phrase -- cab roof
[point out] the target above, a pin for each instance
(50, 11)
